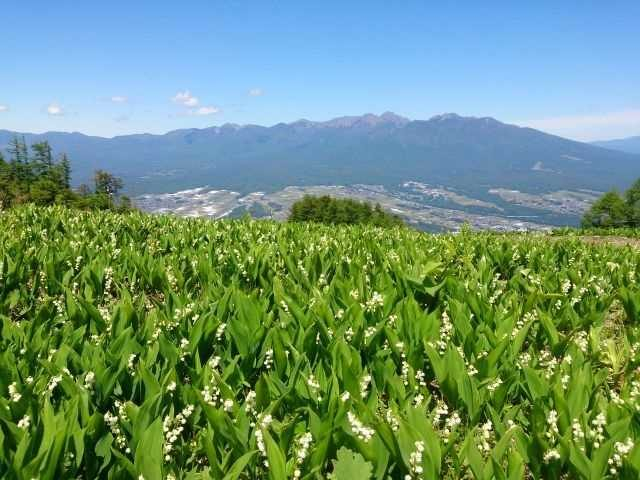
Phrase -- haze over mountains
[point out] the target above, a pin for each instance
(387, 149)
(480, 158)
(629, 145)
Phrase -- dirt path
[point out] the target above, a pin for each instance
(611, 240)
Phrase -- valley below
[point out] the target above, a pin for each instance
(427, 207)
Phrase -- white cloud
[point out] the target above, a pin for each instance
(55, 109)
(119, 99)
(185, 98)
(204, 111)
(256, 92)
(623, 123)
(3, 108)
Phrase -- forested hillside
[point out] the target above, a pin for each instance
(467, 153)
(31, 175)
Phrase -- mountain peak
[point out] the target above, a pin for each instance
(444, 117)
(367, 120)
(390, 117)
(454, 117)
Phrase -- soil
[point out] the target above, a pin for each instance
(612, 240)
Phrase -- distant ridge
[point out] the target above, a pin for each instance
(368, 119)
(629, 145)
(470, 153)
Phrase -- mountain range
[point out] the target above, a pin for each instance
(467, 153)
(629, 144)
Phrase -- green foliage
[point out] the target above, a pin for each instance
(41, 180)
(149, 345)
(106, 184)
(613, 210)
(337, 211)
(632, 199)
(350, 466)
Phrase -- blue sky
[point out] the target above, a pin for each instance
(110, 68)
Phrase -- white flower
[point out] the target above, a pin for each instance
(405, 372)
(486, 437)
(173, 428)
(214, 362)
(441, 410)
(24, 422)
(392, 420)
(220, 331)
(263, 423)
(284, 306)
(89, 380)
(551, 456)
(620, 452)
(415, 461)
(112, 421)
(268, 359)
(597, 432)
(450, 425)
(369, 332)
(576, 429)
(131, 362)
(211, 396)
(171, 387)
(53, 383)
(13, 393)
(364, 385)
(494, 385)
(184, 349)
(552, 421)
(250, 401)
(376, 301)
(303, 445)
(348, 335)
(446, 329)
(359, 429)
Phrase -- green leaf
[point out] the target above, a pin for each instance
(350, 466)
(277, 463)
(537, 388)
(148, 459)
(238, 466)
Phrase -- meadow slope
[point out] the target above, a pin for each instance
(139, 346)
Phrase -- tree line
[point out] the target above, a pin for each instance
(335, 211)
(615, 210)
(32, 175)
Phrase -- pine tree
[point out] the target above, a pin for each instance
(610, 210)
(42, 160)
(19, 159)
(632, 199)
(18, 150)
(337, 211)
(65, 165)
(106, 183)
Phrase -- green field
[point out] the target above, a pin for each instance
(137, 346)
